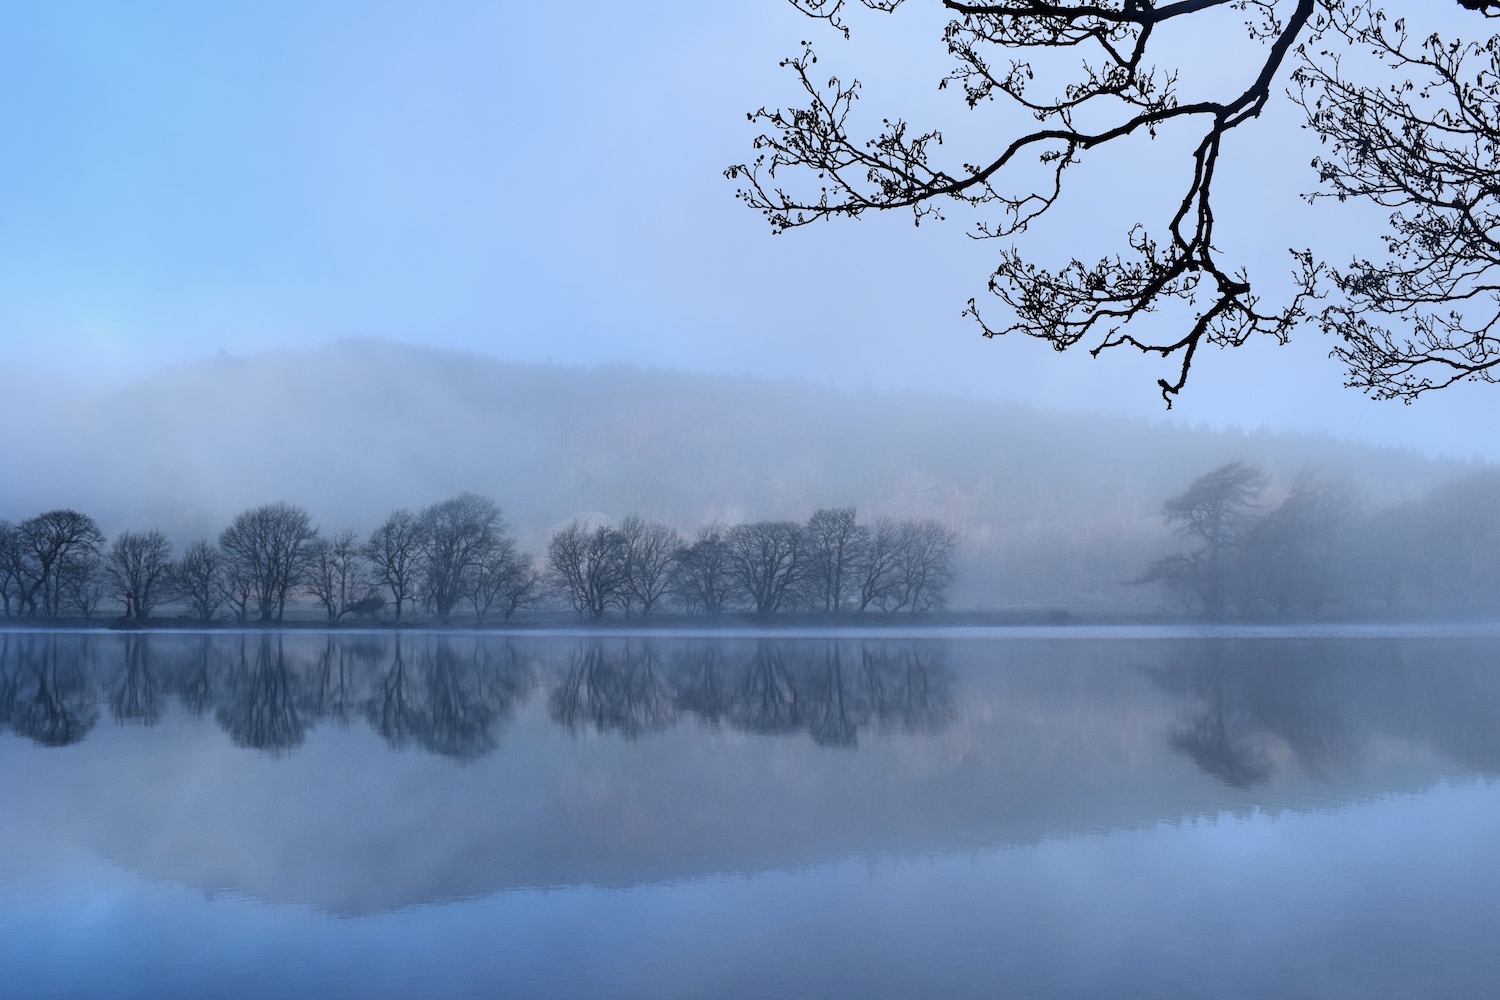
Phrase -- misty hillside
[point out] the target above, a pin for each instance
(1050, 506)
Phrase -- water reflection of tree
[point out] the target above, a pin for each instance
(450, 696)
(768, 697)
(1320, 705)
(835, 710)
(453, 700)
(341, 663)
(828, 690)
(700, 685)
(906, 687)
(261, 708)
(45, 691)
(1223, 746)
(195, 673)
(619, 691)
(136, 694)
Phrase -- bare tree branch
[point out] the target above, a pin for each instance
(1118, 93)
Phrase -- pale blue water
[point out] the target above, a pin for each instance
(1235, 816)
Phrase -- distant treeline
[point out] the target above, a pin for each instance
(456, 557)
(1316, 552)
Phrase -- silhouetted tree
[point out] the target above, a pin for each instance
(239, 587)
(81, 582)
(12, 568)
(140, 568)
(1410, 120)
(395, 551)
(701, 580)
(1216, 510)
(877, 572)
(198, 581)
(457, 535)
(588, 567)
(835, 544)
(924, 566)
(647, 550)
(270, 549)
(505, 581)
(1413, 130)
(336, 575)
(767, 561)
(49, 544)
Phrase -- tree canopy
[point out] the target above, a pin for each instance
(1408, 120)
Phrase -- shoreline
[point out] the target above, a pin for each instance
(922, 628)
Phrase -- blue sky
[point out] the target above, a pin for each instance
(540, 182)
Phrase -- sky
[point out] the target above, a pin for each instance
(544, 183)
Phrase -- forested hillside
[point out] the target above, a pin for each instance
(1049, 508)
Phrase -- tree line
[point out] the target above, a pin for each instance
(1317, 550)
(456, 556)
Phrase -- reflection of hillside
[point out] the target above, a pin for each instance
(642, 759)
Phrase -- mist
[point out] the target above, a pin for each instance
(1048, 507)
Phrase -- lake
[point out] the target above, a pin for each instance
(1046, 813)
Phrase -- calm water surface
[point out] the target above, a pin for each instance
(355, 815)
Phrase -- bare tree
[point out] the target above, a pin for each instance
(12, 567)
(1095, 75)
(139, 567)
(456, 535)
(81, 582)
(1288, 558)
(198, 580)
(1217, 509)
(648, 549)
(505, 580)
(336, 576)
(48, 543)
(835, 544)
(395, 551)
(1411, 121)
(270, 548)
(924, 566)
(239, 587)
(877, 571)
(700, 576)
(588, 566)
(767, 561)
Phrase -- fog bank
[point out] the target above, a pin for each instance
(1049, 506)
